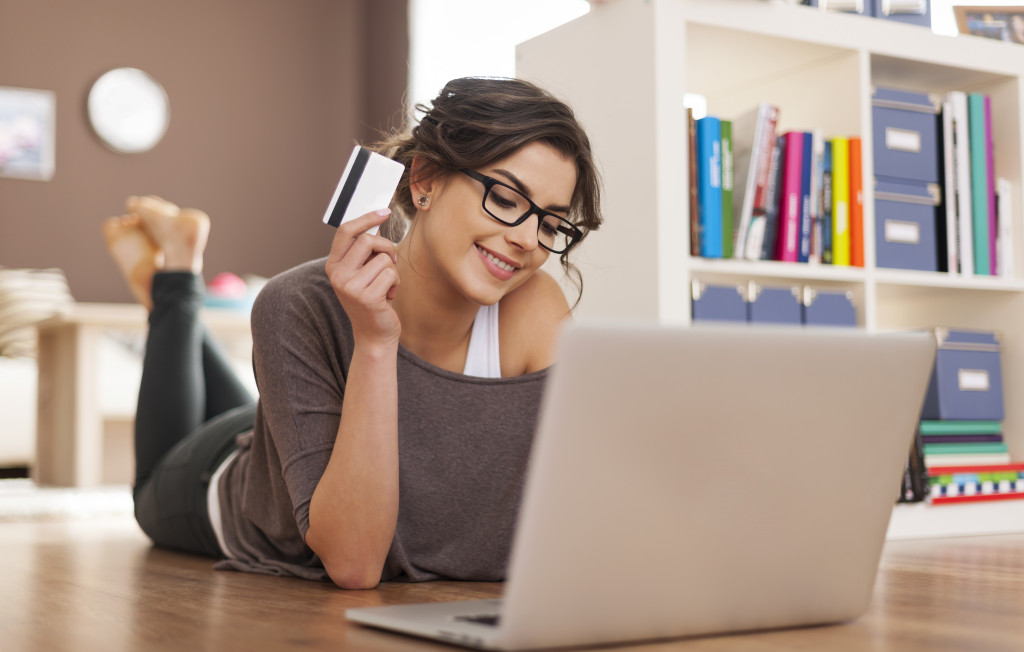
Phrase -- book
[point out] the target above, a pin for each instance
(790, 212)
(990, 180)
(947, 178)
(826, 204)
(975, 483)
(694, 205)
(753, 137)
(806, 214)
(856, 203)
(965, 459)
(840, 201)
(959, 427)
(728, 190)
(709, 185)
(979, 182)
(960, 439)
(1004, 222)
(817, 156)
(962, 182)
(962, 448)
(772, 197)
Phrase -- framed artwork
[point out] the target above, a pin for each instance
(27, 126)
(1003, 23)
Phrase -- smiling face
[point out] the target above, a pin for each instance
(478, 257)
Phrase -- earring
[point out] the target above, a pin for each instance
(423, 201)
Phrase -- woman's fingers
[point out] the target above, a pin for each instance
(351, 231)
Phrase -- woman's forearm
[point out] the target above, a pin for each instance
(354, 509)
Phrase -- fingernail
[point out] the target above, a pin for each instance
(384, 212)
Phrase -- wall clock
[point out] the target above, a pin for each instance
(128, 110)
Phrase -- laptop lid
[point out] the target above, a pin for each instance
(702, 480)
(689, 481)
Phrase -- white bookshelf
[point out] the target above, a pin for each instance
(625, 68)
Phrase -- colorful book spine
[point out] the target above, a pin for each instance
(761, 167)
(791, 199)
(959, 427)
(950, 254)
(772, 197)
(709, 185)
(856, 203)
(826, 204)
(728, 189)
(806, 210)
(990, 192)
(962, 181)
(840, 201)
(979, 183)
(976, 483)
(817, 172)
(694, 203)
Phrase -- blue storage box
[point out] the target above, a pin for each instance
(775, 305)
(718, 302)
(828, 308)
(914, 12)
(906, 219)
(967, 381)
(905, 134)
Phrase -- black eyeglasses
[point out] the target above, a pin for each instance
(511, 207)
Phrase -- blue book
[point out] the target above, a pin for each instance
(826, 203)
(709, 185)
(804, 250)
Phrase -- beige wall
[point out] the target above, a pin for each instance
(267, 99)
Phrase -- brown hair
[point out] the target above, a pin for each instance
(476, 121)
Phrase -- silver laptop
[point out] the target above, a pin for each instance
(690, 481)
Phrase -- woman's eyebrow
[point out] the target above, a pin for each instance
(523, 188)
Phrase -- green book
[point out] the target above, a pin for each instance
(979, 182)
(961, 427)
(960, 449)
(728, 233)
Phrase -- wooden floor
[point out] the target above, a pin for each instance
(98, 585)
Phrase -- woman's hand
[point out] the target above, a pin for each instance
(361, 268)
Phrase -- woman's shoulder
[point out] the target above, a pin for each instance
(302, 292)
(530, 320)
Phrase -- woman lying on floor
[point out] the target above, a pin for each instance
(399, 383)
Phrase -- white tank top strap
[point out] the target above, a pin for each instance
(483, 358)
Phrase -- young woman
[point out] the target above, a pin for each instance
(399, 383)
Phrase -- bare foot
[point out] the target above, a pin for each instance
(180, 233)
(135, 253)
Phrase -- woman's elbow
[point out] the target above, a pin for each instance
(354, 576)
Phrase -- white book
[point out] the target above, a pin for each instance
(1004, 213)
(748, 137)
(962, 174)
(949, 192)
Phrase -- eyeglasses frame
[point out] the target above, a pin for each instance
(490, 182)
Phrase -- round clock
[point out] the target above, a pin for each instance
(128, 110)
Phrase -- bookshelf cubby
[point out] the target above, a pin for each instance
(626, 67)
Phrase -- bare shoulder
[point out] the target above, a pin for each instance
(529, 322)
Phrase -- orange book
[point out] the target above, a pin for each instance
(856, 204)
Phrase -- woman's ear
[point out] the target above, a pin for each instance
(423, 183)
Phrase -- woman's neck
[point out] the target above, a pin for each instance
(436, 320)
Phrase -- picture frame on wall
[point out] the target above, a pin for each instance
(1002, 23)
(27, 133)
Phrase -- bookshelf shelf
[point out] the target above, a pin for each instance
(626, 67)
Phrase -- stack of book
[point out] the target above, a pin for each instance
(961, 461)
(977, 224)
(760, 194)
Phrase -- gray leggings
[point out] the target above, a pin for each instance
(191, 408)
